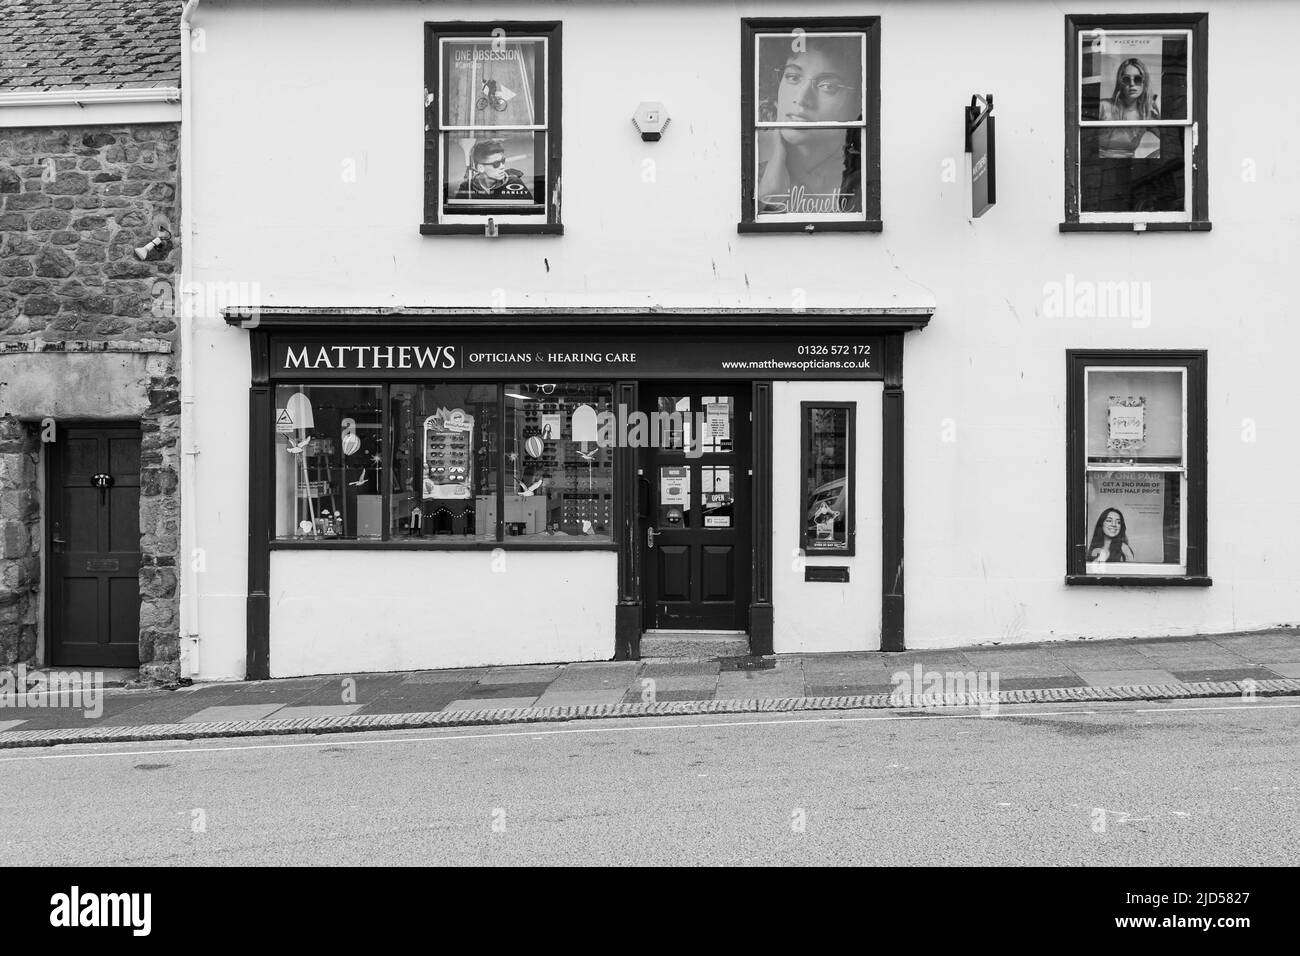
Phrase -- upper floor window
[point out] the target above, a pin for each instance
(492, 127)
(1135, 116)
(811, 124)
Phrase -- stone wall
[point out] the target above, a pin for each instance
(20, 542)
(74, 204)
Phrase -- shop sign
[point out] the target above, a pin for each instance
(980, 145)
(539, 359)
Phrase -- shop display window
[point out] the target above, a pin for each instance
(329, 462)
(559, 477)
(492, 127)
(446, 440)
(452, 463)
(1138, 506)
(827, 519)
(1135, 118)
(810, 124)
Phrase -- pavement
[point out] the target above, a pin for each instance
(1257, 664)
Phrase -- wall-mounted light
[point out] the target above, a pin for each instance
(161, 242)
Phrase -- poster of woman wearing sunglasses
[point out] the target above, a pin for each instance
(1128, 71)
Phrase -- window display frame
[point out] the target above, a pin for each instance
(868, 220)
(1192, 570)
(391, 541)
(1195, 215)
(806, 541)
(443, 218)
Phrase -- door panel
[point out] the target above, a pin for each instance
(94, 547)
(697, 466)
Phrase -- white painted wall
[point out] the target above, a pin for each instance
(343, 611)
(820, 616)
(286, 94)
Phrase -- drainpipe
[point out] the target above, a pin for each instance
(189, 583)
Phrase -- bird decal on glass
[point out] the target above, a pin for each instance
(527, 491)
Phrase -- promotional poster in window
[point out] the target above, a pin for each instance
(1124, 80)
(810, 110)
(493, 117)
(1127, 517)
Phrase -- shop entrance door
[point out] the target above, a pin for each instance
(695, 536)
(94, 546)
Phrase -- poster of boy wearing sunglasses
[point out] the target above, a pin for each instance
(487, 177)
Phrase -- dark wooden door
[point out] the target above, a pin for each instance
(94, 546)
(695, 536)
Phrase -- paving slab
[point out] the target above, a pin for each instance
(1018, 671)
(1127, 678)
(573, 698)
(1236, 673)
(468, 675)
(659, 669)
(579, 677)
(1272, 655)
(1038, 683)
(739, 685)
(489, 691)
(1027, 655)
(1286, 669)
(494, 703)
(232, 712)
(661, 684)
(531, 674)
(667, 696)
(847, 690)
(316, 710)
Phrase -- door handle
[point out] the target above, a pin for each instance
(57, 541)
(650, 533)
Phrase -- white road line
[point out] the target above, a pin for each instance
(332, 740)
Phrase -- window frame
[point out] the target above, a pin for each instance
(388, 541)
(1196, 216)
(849, 549)
(750, 29)
(437, 221)
(1193, 506)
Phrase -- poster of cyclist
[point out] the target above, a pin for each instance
(493, 83)
(495, 169)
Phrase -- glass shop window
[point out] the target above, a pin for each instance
(559, 476)
(446, 440)
(1137, 122)
(329, 456)
(827, 519)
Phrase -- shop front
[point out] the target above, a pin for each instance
(437, 489)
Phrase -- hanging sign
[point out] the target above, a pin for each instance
(980, 145)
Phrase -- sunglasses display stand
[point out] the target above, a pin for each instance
(448, 469)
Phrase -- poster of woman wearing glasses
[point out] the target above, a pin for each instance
(1127, 71)
(810, 107)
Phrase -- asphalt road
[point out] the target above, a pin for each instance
(1208, 782)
